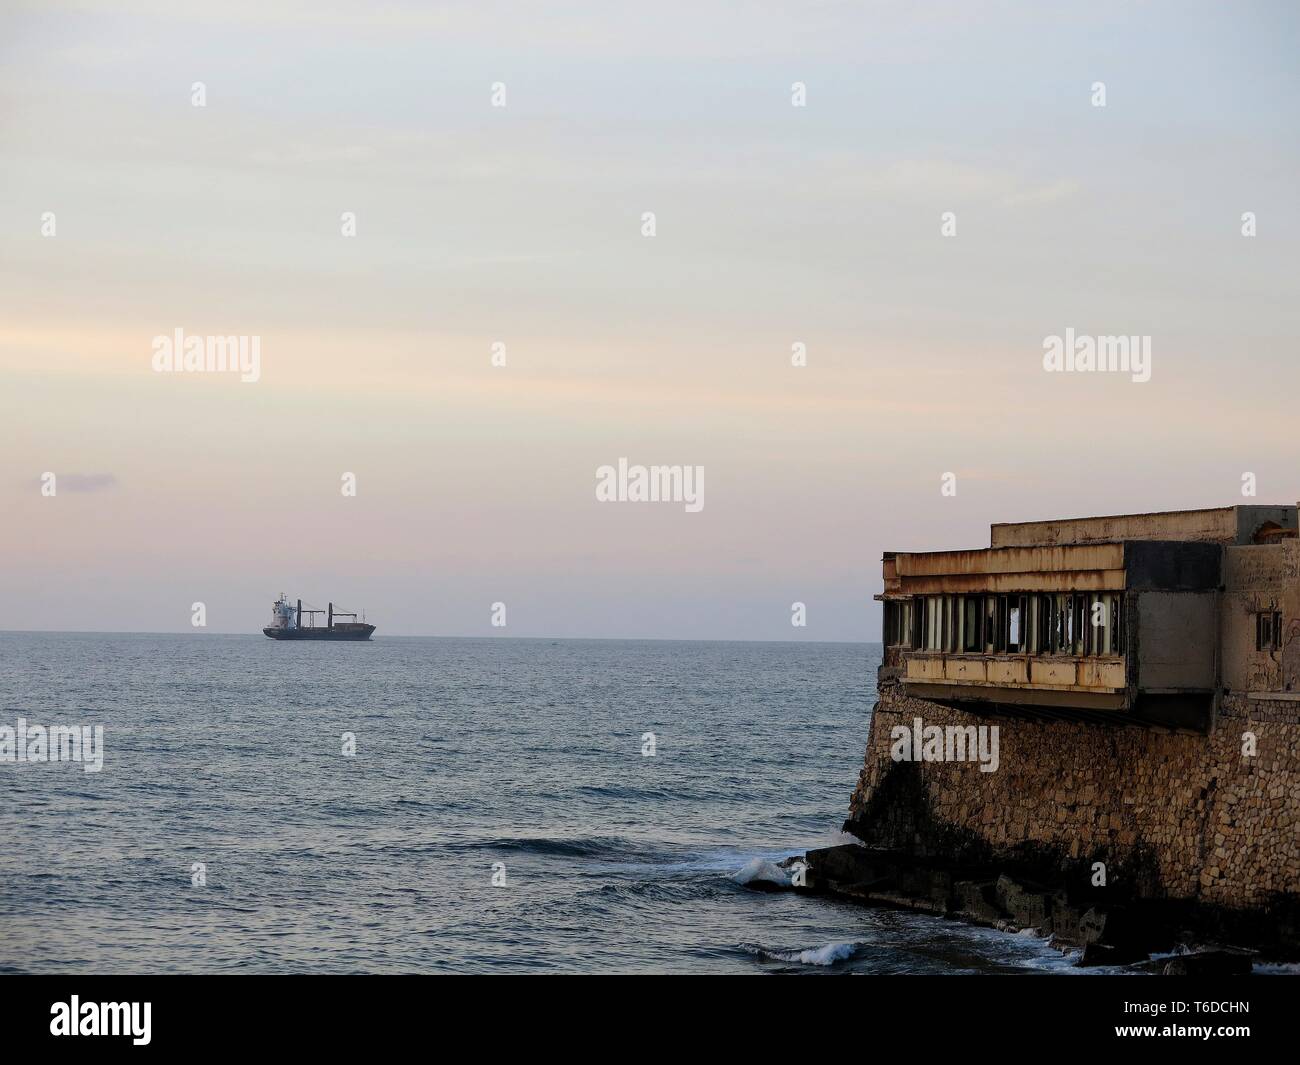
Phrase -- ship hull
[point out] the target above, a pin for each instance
(351, 633)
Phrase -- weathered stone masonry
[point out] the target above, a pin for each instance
(1188, 814)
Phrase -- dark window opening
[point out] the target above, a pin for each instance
(1044, 641)
(1268, 630)
(971, 625)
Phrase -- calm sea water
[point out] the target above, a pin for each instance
(472, 756)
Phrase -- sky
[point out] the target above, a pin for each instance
(949, 195)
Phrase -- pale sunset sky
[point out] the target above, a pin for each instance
(522, 224)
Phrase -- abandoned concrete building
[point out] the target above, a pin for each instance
(1144, 672)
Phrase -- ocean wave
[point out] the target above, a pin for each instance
(761, 872)
(639, 794)
(581, 847)
(830, 954)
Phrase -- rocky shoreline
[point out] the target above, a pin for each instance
(1164, 936)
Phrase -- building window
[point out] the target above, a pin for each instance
(933, 623)
(1017, 639)
(1098, 642)
(1268, 630)
(970, 636)
(1061, 623)
(898, 623)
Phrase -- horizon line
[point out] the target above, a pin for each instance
(430, 636)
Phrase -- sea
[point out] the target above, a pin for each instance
(413, 805)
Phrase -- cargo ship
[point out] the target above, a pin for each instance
(287, 623)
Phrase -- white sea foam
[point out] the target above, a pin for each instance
(837, 837)
(762, 869)
(827, 955)
(1276, 968)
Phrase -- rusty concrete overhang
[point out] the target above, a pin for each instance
(989, 560)
(1060, 581)
(1085, 568)
(950, 694)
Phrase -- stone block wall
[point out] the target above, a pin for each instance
(1173, 815)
